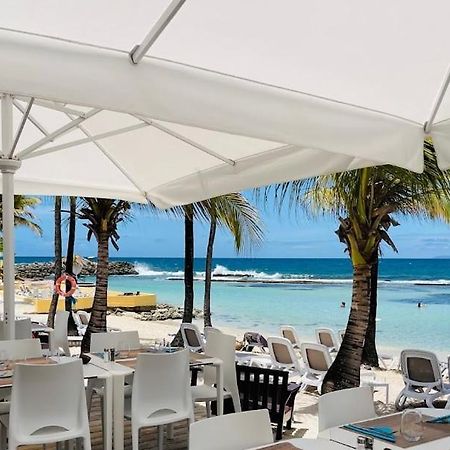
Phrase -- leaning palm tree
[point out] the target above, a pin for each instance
(235, 213)
(364, 201)
(102, 218)
(23, 213)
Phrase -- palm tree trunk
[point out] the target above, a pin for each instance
(208, 273)
(188, 273)
(72, 328)
(345, 371)
(97, 322)
(58, 261)
(370, 355)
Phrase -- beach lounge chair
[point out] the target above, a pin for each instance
(283, 355)
(239, 431)
(345, 406)
(290, 333)
(422, 378)
(192, 338)
(222, 346)
(317, 361)
(327, 337)
(252, 340)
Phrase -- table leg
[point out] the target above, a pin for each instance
(118, 402)
(219, 381)
(108, 412)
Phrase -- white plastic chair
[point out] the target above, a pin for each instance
(237, 431)
(22, 329)
(58, 338)
(345, 406)
(221, 346)
(422, 378)
(161, 393)
(283, 354)
(207, 330)
(317, 360)
(20, 349)
(192, 338)
(120, 340)
(290, 333)
(48, 405)
(327, 337)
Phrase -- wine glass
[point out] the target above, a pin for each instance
(411, 426)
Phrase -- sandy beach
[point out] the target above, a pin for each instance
(305, 417)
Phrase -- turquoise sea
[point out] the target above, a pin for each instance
(262, 294)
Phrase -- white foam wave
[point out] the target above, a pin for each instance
(223, 273)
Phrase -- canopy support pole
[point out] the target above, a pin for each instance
(139, 51)
(8, 167)
(437, 103)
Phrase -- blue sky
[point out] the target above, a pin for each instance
(285, 236)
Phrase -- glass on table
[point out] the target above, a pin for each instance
(411, 427)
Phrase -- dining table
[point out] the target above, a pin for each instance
(435, 436)
(125, 364)
(90, 371)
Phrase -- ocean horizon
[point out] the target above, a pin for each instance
(262, 294)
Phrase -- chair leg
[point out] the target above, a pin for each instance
(134, 437)
(160, 437)
(208, 409)
(170, 430)
(3, 434)
(86, 441)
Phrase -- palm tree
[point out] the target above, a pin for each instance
(102, 218)
(234, 212)
(23, 213)
(58, 261)
(72, 328)
(364, 201)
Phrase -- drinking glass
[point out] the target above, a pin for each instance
(411, 426)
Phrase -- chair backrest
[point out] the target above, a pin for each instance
(161, 384)
(41, 395)
(192, 338)
(59, 339)
(222, 346)
(207, 330)
(20, 349)
(420, 368)
(316, 357)
(345, 406)
(84, 317)
(237, 431)
(327, 337)
(282, 353)
(120, 340)
(22, 329)
(290, 333)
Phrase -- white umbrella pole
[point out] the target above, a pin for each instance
(8, 166)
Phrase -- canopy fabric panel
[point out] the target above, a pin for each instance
(232, 95)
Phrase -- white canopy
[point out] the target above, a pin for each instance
(218, 95)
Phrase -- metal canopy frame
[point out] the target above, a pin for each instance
(139, 51)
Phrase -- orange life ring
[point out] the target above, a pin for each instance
(67, 279)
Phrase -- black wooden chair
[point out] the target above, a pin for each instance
(262, 388)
